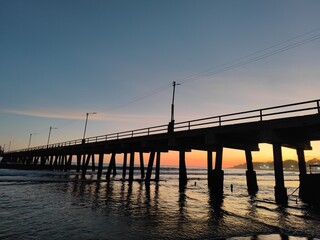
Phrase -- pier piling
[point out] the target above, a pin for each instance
(157, 177)
(251, 174)
(111, 166)
(280, 190)
(209, 167)
(131, 168)
(217, 174)
(150, 166)
(182, 170)
(141, 165)
(124, 166)
(100, 166)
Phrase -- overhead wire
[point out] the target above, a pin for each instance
(235, 63)
(230, 65)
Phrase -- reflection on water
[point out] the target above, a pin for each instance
(64, 205)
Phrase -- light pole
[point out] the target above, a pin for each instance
(30, 139)
(9, 146)
(171, 124)
(50, 134)
(173, 95)
(85, 125)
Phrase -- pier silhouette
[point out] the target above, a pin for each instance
(292, 125)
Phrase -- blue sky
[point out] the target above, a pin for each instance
(61, 59)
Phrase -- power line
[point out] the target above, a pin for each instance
(238, 61)
(230, 65)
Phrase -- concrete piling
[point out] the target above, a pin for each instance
(182, 170)
(280, 190)
(251, 176)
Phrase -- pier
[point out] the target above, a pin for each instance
(292, 125)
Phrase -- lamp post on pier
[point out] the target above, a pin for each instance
(171, 123)
(50, 135)
(30, 139)
(9, 146)
(85, 126)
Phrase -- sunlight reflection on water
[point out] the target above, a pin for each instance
(54, 205)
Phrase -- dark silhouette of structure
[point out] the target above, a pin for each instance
(292, 125)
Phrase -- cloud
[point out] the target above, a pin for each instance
(41, 113)
(79, 115)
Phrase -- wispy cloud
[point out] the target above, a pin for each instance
(41, 113)
(78, 115)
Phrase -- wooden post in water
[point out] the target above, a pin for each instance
(131, 168)
(124, 167)
(63, 162)
(301, 163)
(111, 165)
(36, 160)
(43, 160)
(100, 166)
(218, 174)
(114, 167)
(51, 160)
(251, 174)
(182, 170)
(85, 165)
(93, 167)
(157, 177)
(55, 163)
(150, 166)
(209, 168)
(280, 190)
(302, 173)
(78, 162)
(67, 166)
(141, 165)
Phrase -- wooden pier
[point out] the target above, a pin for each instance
(292, 125)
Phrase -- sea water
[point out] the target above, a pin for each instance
(59, 205)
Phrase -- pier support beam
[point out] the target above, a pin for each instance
(78, 162)
(150, 166)
(85, 164)
(182, 170)
(124, 167)
(112, 163)
(68, 163)
(301, 163)
(101, 155)
(280, 190)
(43, 160)
(157, 177)
(217, 174)
(131, 168)
(141, 165)
(93, 167)
(302, 173)
(209, 168)
(251, 175)
(114, 167)
(36, 160)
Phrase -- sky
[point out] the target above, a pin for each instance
(61, 59)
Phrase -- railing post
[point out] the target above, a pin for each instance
(189, 127)
(132, 134)
(318, 105)
(260, 115)
(219, 120)
(148, 131)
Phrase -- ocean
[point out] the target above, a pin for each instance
(60, 205)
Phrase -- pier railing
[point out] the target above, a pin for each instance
(263, 114)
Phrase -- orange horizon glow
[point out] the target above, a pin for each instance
(231, 157)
